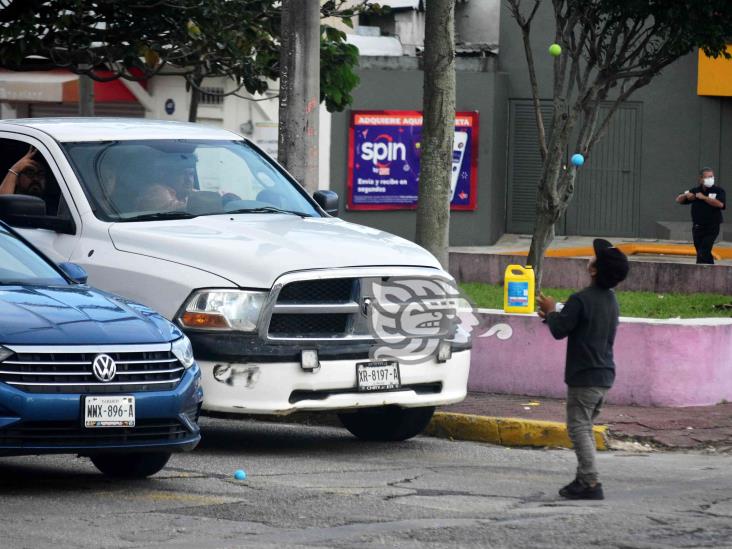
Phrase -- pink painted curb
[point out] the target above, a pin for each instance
(658, 363)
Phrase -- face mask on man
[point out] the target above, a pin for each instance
(709, 182)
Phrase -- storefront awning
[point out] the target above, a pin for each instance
(399, 4)
(370, 46)
(57, 87)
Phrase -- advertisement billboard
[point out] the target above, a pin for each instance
(384, 150)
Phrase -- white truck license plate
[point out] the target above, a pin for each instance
(109, 411)
(377, 376)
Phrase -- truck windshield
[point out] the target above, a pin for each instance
(21, 265)
(148, 180)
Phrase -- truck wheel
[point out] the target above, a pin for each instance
(130, 465)
(388, 423)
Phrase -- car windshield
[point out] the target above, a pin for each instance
(21, 265)
(169, 179)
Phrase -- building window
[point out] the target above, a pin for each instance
(212, 96)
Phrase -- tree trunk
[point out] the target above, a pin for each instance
(540, 241)
(438, 130)
(553, 195)
(300, 91)
(195, 98)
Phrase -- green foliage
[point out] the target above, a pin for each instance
(632, 304)
(338, 61)
(238, 39)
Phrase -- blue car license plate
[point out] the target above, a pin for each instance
(109, 411)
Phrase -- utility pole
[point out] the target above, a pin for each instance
(86, 95)
(297, 147)
(438, 130)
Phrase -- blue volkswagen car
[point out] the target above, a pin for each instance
(89, 373)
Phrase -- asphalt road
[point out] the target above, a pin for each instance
(319, 487)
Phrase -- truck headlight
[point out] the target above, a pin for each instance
(183, 351)
(223, 310)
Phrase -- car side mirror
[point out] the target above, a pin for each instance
(24, 211)
(328, 201)
(74, 272)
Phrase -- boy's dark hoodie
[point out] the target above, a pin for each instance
(590, 319)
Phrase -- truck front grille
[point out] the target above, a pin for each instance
(330, 305)
(333, 290)
(326, 325)
(50, 371)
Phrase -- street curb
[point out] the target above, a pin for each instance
(506, 431)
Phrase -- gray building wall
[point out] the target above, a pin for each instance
(680, 131)
(396, 84)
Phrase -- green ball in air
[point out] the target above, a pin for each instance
(555, 50)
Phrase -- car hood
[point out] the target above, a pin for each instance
(253, 250)
(76, 315)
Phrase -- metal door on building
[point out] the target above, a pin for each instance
(606, 199)
(524, 164)
(607, 191)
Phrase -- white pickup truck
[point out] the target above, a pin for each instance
(274, 291)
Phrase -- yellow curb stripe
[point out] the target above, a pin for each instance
(720, 252)
(506, 431)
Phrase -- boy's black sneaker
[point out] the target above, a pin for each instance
(579, 490)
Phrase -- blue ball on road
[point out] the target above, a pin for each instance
(578, 159)
(239, 474)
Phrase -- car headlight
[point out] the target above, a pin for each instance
(4, 353)
(223, 310)
(183, 351)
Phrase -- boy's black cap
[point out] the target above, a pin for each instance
(612, 264)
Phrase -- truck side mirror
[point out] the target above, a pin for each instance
(74, 272)
(21, 204)
(328, 201)
(24, 211)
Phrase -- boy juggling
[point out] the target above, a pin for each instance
(589, 320)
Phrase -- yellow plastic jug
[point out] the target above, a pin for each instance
(518, 289)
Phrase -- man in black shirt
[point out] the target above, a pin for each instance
(707, 202)
(589, 319)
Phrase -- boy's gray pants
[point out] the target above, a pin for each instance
(583, 406)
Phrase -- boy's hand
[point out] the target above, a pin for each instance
(546, 305)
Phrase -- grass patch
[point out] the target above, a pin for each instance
(635, 304)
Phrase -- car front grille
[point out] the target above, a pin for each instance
(46, 370)
(60, 434)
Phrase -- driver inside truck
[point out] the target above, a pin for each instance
(26, 176)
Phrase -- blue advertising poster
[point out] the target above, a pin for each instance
(384, 151)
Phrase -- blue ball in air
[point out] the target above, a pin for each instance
(239, 474)
(578, 159)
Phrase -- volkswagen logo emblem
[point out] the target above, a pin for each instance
(104, 368)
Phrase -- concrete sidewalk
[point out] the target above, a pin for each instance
(699, 427)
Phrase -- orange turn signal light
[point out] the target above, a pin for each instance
(203, 320)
